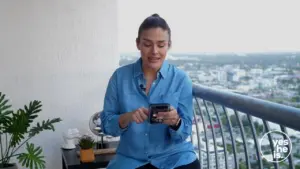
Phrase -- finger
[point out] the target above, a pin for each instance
(143, 116)
(169, 121)
(138, 117)
(140, 120)
(161, 114)
(173, 114)
(168, 115)
(146, 111)
(135, 118)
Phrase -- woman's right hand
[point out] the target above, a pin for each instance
(139, 115)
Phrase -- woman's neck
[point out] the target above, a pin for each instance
(149, 73)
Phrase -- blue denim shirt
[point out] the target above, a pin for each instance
(143, 143)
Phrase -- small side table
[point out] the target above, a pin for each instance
(70, 159)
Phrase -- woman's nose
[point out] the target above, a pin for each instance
(154, 49)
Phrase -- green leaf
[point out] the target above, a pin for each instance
(86, 142)
(4, 112)
(17, 127)
(3, 104)
(33, 158)
(4, 121)
(46, 125)
(33, 109)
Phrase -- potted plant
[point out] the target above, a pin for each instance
(16, 129)
(86, 144)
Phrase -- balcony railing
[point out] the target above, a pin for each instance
(229, 127)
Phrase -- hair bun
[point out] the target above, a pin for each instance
(155, 15)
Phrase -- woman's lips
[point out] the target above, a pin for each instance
(153, 59)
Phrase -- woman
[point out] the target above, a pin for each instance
(130, 91)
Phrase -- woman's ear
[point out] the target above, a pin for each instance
(137, 41)
(170, 44)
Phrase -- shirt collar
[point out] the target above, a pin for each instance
(138, 68)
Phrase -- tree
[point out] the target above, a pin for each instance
(224, 121)
(233, 120)
(242, 165)
(267, 164)
(229, 148)
(245, 120)
(259, 128)
(295, 99)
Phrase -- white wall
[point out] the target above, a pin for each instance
(59, 52)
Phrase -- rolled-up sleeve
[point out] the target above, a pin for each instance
(110, 115)
(185, 111)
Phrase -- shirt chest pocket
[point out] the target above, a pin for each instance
(172, 98)
(130, 102)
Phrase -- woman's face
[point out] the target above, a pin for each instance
(153, 45)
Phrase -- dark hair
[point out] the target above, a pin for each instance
(154, 21)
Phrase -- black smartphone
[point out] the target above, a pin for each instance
(155, 108)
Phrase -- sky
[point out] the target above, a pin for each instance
(213, 26)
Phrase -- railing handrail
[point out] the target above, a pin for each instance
(281, 114)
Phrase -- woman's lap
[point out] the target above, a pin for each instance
(194, 165)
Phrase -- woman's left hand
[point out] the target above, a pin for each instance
(170, 118)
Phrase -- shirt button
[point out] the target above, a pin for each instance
(146, 134)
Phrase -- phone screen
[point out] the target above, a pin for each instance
(155, 108)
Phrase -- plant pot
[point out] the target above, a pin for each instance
(87, 155)
(9, 166)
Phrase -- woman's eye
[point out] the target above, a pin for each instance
(149, 45)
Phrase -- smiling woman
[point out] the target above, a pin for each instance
(154, 40)
(131, 90)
